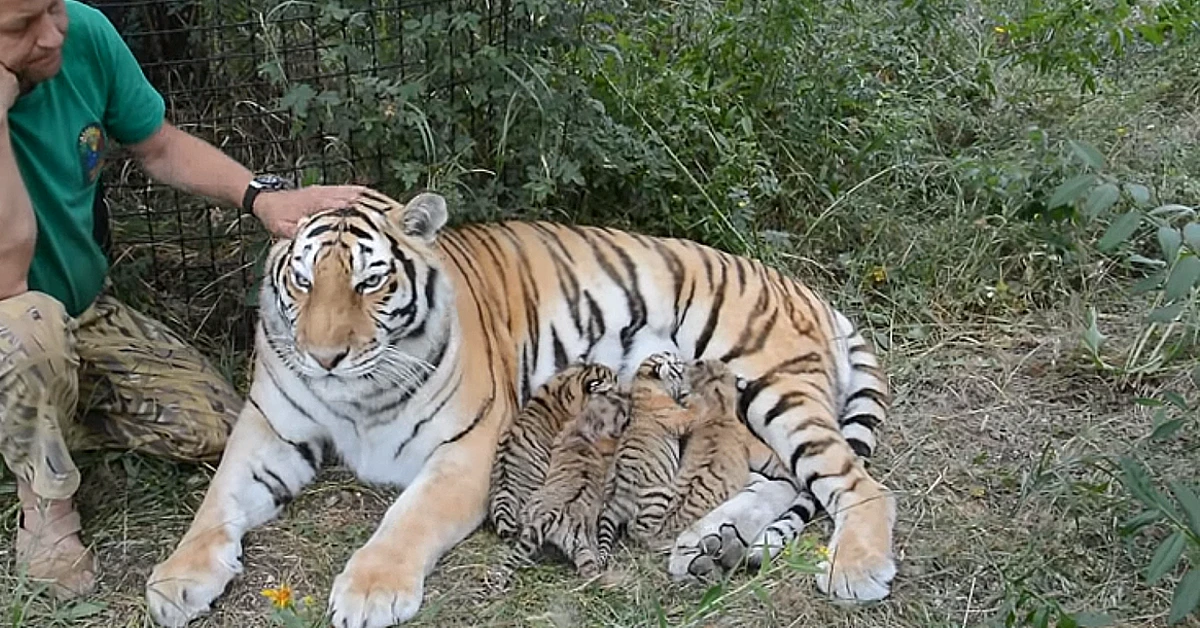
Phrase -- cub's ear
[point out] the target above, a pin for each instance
(423, 216)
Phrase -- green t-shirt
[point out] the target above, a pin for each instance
(61, 131)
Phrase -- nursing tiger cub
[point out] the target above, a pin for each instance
(685, 453)
(524, 450)
(719, 452)
(641, 483)
(407, 349)
(563, 511)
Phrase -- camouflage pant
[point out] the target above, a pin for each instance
(112, 378)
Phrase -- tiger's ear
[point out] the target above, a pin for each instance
(423, 216)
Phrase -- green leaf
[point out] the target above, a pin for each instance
(84, 609)
(1087, 153)
(1146, 261)
(1169, 240)
(298, 98)
(1137, 481)
(1175, 399)
(1139, 521)
(1120, 230)
(1139, 193)
(1041, 617)
(1092, 338)
(1151, 282)
(1166, 556)
(760, 592)
(1071, 190)
(1191, 235)
(1182, 278)
(1190, 503)
(1100, 199)
(711, 598)
(1093, 620)
(1187, 597)
(1165, 314)
(1167, 429)
(1151, 32)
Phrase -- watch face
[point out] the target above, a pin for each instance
(270, 182)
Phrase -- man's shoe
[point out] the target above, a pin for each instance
(49, 547)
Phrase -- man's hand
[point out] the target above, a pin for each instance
(10, 88)
(19, 235)
(281, 212)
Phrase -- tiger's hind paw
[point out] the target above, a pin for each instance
(861, 567)
(857, 580)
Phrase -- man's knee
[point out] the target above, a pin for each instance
(181, 418)
(196, 417)
(38, 392)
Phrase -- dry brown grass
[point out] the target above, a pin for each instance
(990, 448)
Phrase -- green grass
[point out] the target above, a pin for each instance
(900, 157)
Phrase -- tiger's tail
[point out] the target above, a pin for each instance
(865, 395)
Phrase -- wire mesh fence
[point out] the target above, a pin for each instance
(378, 92)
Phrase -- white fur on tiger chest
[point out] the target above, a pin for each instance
(383, 450)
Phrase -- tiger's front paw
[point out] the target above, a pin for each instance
(375, 592)
(860, 567)
(704, 554)
(184, 586)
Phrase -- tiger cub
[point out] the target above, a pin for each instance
(717, 450)
(564, 510)
(524, 448)
(684, 453)
(641, 481)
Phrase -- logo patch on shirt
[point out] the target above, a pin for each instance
(91, 151)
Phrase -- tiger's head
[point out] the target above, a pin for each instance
(714, 386)
(667, 369)
(358, 289)
(577, 382)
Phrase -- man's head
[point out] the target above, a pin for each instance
(31, 38)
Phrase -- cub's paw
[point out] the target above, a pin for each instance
(704, 554)
(374, 592)
(184, 586)
(860, 567)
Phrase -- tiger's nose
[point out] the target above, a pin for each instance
(329, 359)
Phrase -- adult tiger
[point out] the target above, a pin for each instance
(407, 349)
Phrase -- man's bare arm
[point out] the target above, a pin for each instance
(191, 164)
(19, 233)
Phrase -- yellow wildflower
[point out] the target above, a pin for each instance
(823, 552)
(280, 597)
(1001, 30)
(877, 275)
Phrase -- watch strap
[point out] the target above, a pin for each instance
(258, 185)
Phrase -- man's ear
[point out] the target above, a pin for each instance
(423, 216)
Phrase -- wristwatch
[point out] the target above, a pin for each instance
(259, 184)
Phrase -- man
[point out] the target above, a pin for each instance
(77, 367)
